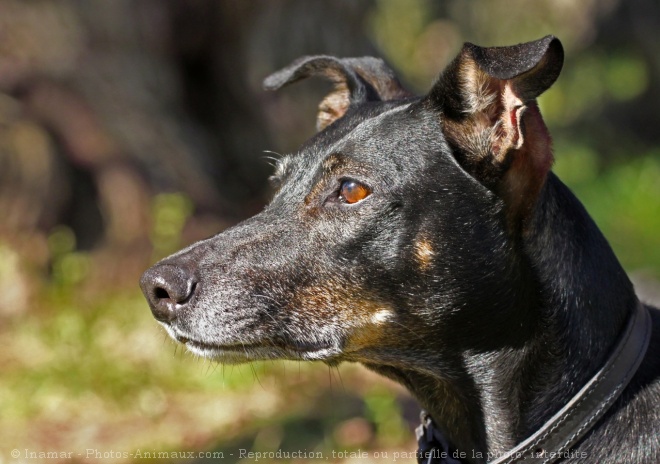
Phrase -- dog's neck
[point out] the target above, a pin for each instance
(497, 398)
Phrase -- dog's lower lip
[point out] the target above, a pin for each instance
(242, 347)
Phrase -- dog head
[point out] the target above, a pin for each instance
(393, 231)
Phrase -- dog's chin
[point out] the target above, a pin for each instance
(248, 353)
(238, 353)
(231, 354)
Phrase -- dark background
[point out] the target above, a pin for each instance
(129, 128)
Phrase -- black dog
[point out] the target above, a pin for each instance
(427, 239)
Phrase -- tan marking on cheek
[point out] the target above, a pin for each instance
(382, 316)
(424, 253)
(370, 329)
(361, 318)
(321, 302)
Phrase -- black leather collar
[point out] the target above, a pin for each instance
(552, 441)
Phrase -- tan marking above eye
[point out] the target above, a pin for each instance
(352, 191)
(424, 253)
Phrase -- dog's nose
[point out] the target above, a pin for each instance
(167, 288)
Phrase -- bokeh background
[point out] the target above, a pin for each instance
(129, 128)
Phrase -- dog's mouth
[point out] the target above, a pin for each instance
(257, 351)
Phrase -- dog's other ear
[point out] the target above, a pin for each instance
(491, 120)
(356, 80)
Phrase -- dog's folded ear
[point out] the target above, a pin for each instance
(491, 120)
(356, 80)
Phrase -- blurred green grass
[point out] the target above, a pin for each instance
(623, 199)
(97, 372)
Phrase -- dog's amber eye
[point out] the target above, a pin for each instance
(351, 191)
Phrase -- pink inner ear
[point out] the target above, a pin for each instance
(530, 164)
(538, 132)
(514, 118)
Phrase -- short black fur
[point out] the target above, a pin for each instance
(492, 326)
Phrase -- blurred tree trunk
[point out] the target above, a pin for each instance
(633, 27)
(105, 104)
